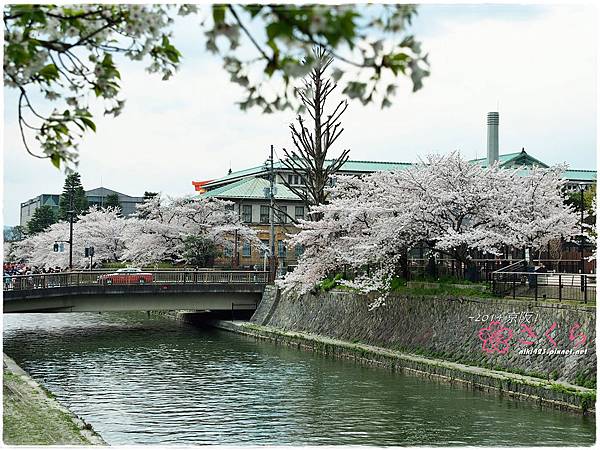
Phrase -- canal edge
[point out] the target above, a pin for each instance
(555, 395)
(86, 431)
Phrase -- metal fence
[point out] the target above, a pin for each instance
(92, 278)
(478, 269)
(541, 286)
(482, 269)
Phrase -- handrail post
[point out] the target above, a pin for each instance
(559, 287)
(537, 279)
(584, 288)
(513, 284)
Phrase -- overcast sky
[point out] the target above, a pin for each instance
(538, 63)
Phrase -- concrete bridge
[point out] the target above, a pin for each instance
(97, 291)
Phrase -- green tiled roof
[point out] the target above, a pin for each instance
(252, 188)
(372, 166)
(501, 158)
(583, 175)
(349, 166)
(507, 159)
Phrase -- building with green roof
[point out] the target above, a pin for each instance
(248, 189)
(353, 167)
(250, 197)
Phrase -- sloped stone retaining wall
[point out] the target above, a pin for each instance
(550, 341)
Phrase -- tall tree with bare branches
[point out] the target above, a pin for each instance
(309, 160)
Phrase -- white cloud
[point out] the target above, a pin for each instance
(542, 71)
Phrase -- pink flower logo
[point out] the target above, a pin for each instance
(495, 338)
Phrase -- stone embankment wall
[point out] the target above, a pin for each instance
(32, 416)
(551, 341)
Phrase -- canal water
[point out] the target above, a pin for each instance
(151, 380)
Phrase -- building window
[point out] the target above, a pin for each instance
(281, 214)
(299, 212)
(281, 249)
(265, 249)
(247, 213)
(264, 213)
(298, 250)
(295, 180)
(227, 251)
(231, 207)
(246, 250)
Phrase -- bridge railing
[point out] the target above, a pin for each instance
(92, 278)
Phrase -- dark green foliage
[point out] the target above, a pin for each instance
(112, 201)
(42, 218)
(200, 251)
(397, 283)
(331, 282)
(73, 196)
(586, 379)
(588, 400)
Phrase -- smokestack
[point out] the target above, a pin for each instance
(493, 119)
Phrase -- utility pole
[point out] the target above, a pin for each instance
(234, 256)
(272, 218)
(582, 263)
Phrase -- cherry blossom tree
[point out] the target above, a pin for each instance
(360, 230)
(458, 205)
(165, 227)
(536, 212)
(164, 230)
(592, 232)
(106, 231)
(446, 203)
(102, 229)
(38, 250)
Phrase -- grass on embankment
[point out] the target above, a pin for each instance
(447, 286)
(30, 416)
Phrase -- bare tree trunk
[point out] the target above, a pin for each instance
(309, 158)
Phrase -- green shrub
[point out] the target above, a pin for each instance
(585, 379)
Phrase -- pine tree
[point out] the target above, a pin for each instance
(73, 196)
(42, 218)
(112, 201)
(149, 195)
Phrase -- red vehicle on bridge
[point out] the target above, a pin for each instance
(126, 276)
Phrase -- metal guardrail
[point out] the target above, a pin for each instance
(91, 278)
(545, 285)
(482, 269)
(520, 264)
